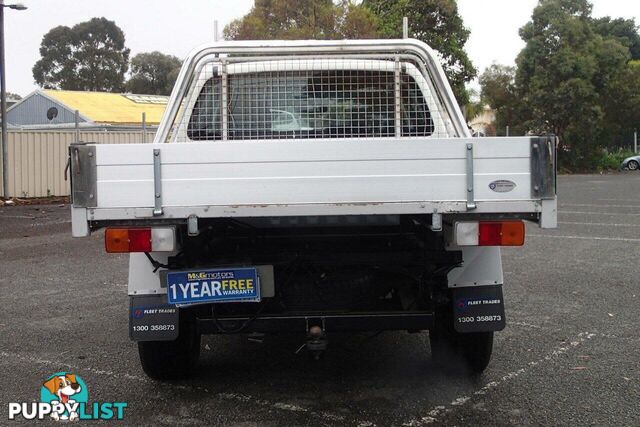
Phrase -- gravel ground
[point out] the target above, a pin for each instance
(569, 354)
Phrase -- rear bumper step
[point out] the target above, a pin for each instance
(329, 323)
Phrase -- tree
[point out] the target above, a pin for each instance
(437, 23)
(621, 106)
(498, 90)
(564, 72)
(355, 22)
(56, 68)
(302, 19)
(89, 56)
(624, 30)
(620, 88)
(153, 73)
(496, 85)
(574, 78)
(13, 95)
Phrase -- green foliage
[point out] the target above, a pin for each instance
(611, 160)
(356, 22)
(574, 78)
(153, 73)
(497, 84)
(56, 68)
(558, 67)
(621, 104)
(302, 19)
(474, 106)
(89, 56)
(437, 23)
(624, 30)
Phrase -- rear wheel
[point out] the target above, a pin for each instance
(633, 165)
(469, 352)
(167, 360)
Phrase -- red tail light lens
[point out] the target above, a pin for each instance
(127, 240)
(140, 240)
(505, 233)
(490, 234)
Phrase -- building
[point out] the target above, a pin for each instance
(484, 122)
(56, 108)
(12, 100)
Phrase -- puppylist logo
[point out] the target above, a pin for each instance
(64, 397)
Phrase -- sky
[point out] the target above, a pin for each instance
(175, 27)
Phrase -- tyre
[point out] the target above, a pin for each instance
(169, 360)
(633, 165)
(470, 352)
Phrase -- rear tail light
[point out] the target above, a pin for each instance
(162, 239)
(489, 233)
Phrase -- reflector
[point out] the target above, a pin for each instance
(116, 240)
(513, 233)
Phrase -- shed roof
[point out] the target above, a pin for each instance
(103, 107)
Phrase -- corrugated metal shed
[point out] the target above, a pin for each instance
(94, 107)
(37, 158)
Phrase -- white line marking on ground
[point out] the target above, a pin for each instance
(597, 213)
(555, 236)
(523, 324)
(613, 200)
(436, 414)
(283, 406)
(599, 206)
(601, 224)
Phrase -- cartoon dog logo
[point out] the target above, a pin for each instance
(64, 387)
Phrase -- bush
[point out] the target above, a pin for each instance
(611, 161)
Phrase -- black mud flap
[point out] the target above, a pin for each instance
(152, 319)
(478, 309)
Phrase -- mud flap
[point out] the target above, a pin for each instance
(152, 319)
(478, 309)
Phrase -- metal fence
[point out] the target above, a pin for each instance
(37, 158)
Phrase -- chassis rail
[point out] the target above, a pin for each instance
(330, 323)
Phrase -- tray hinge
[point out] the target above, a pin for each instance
(84, 177)
(543, 167)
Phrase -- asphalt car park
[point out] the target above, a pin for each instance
(569, 354)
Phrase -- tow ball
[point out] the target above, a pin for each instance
(316, 342)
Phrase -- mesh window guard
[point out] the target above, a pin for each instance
(294, 104)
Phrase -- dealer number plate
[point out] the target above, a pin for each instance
(215, 285)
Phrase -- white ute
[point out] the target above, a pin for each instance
(313, 187)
